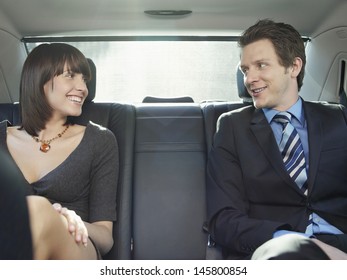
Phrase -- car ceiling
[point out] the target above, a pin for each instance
(112, 17)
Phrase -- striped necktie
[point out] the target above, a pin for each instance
(292, 151)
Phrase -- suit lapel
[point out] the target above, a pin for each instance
(267, 142)
(314, 132)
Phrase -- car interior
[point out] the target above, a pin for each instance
(164, 135)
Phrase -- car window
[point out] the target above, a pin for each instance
(128, 70)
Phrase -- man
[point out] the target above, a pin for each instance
(278, 177)
(15, 234)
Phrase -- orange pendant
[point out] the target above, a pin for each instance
(45, 147)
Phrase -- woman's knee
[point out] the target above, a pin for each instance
(38, 204)
(43, 217)
(289, 247)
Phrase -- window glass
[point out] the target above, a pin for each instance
(127, 71)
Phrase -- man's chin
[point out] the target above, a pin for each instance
(259, 105)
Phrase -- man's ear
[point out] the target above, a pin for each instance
(296, 68)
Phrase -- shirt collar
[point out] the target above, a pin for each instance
(296, 110)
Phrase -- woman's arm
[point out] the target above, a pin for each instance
(101, 233)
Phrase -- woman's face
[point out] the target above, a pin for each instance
(66, 93)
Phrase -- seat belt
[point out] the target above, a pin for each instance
(342, 91)
(213, 251)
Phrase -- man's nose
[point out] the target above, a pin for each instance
(251, 77)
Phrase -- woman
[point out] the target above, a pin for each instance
(74, 167)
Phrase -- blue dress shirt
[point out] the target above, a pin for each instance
(318, 225)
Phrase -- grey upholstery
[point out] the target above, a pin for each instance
(120, 119)
(92, 83)
(169, 182)
(10, 112)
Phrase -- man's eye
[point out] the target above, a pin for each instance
(244, 70)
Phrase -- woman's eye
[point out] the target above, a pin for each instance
(69, 75)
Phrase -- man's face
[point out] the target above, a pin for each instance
(270, 84)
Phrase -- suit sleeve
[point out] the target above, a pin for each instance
(227, 200)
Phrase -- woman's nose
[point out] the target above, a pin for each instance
(81, 83)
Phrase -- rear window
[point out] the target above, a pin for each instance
(129, 70)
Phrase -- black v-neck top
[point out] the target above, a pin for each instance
(86, 181)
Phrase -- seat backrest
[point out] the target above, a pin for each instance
(213, 110)
(120, 119)
(10, 112)
(169, 204)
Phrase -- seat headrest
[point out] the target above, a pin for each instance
(91, 85)
(242, 91)
(182, 99)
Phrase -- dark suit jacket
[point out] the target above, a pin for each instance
(250, 194)
(15, 234)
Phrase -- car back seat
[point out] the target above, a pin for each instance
(169, 204)
(161, 191)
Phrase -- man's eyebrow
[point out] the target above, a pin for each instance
(262, 60)
(255, 62)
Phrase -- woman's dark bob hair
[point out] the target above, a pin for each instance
(42, 64)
